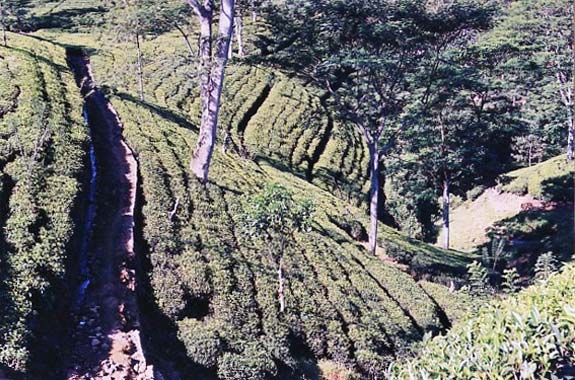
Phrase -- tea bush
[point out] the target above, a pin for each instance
(528, 336)
(43, 140)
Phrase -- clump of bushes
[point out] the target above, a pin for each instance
(43, 146)
(528, 336)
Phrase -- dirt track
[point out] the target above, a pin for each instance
(106, 335)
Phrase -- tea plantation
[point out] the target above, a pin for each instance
(43, 140)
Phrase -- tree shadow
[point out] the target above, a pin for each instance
(66, 19)
(162, 112)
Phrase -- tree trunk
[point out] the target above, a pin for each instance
(212, 75)
(445, 214)
(281, 296)
(140, 68)
(239, 23)
(374, 196)
(231, 47)
(2, 25)
(571, 137)
(186, 40)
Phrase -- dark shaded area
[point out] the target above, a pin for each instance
(537, 231)
(158, 110)
(353, 228)
(196, 308)
(67, 19)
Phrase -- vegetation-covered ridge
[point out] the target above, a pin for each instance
(219, 292)
(528, 336)
(43, 141)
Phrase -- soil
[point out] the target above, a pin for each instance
(106, 336)
(470, 221)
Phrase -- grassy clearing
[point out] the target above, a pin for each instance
(518, 205)
(551, 180)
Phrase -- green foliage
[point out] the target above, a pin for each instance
(545, 266)
(274, 213)
(528, 336)
(43, 138)
(478, 278)
(510, 280)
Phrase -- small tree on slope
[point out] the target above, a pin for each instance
(273, 217)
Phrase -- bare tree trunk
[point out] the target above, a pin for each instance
(239, 23)
(281, 295)
(231, 47)
(2, 25)
(140, 68)
(186, 40)
(445, 214)
(570, 137)
(213, 70)
(374, 196)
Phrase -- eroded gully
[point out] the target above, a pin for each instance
(106, 342)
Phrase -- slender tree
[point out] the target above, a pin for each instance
(137, 19)
(274, 217)
(212, 67)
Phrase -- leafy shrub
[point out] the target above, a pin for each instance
(510, 280)
(478, 277)
(545, 266)
(528, 336)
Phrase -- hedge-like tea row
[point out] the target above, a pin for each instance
(219, 289)
(210, 280)
(343, 168)
(288, 126)
(43, 141)
(528, 336)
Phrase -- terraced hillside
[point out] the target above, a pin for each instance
(214, 293)
(43, 145)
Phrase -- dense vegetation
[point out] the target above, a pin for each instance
(429, 104)
(43, 141)
(529, 336)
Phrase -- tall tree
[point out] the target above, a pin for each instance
(540, 36)
(212, 70)
(136, 19)
(367, 61)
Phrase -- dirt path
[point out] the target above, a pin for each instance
(106, 337)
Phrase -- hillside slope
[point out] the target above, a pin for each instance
(528, 336)
(214, 309)
(531, 205)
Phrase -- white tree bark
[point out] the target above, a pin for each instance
(140, 68)
(239, 35)
(212, 78)
(445, 214)
(374, 196)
